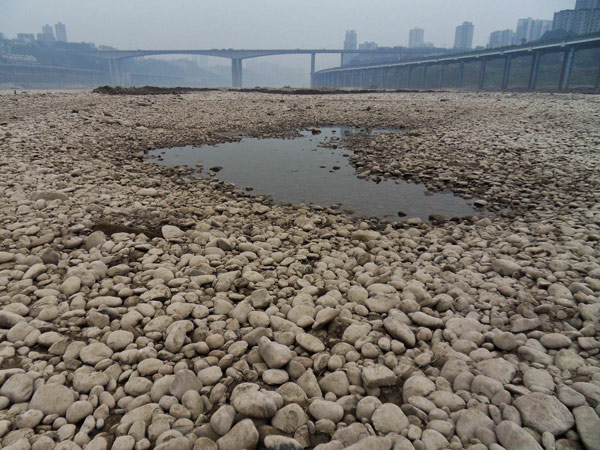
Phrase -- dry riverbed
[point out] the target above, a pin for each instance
(139, 309)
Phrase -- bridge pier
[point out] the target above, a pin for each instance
(312, 70)
(424, 79)
(396, 77)
(506, 75)
(442, 71)
(461, 73)
(533, 72)
(482, 73)
(114, 70)
(410, 74)
(567, 67)
(236, 72)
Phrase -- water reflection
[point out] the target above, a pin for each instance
(300, 170)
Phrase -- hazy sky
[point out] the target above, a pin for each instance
(186, 24)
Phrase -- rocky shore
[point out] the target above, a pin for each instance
(142, 308)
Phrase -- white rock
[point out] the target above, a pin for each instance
(310, 342)
(210, 375)
(513, 437)
(18, 388)
(172, 233)
(222, 419)
(544, 413)
(70, 286)
(118, 340)
(289, 418)
(588, 426)
(255, 404)
(52, 399)
(79, 411)
(378, 376)
(389, 418)
(94, 353)
(323, 409)
(505, 267)
(275, 355)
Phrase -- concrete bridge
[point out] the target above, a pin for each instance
(388, 75)
(115, 57)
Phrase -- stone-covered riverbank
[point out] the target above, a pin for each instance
(141, 310)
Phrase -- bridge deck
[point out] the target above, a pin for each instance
(230, 53)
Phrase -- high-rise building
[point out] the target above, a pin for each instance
(577, 21)
(48, 31)
(61, 32)
(523, 31)
(463, 39)
(416, 37)
(587, 4)
(539, 28)
(47, 34)
(368, 46)
(530, 30)
(26, 37)
(350, 43)
(502, 38)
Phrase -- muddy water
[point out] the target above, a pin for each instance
(301, 170)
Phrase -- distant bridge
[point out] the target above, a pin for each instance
(388, 75)
(114, 57)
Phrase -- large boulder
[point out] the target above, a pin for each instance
(243, 435)
(18, 388)
(389, 418)
(544, 413)
(513, 437)
(52, 399)
(255, 404)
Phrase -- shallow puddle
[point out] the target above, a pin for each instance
(299, 170)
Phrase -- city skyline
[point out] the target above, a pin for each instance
(193, 26)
